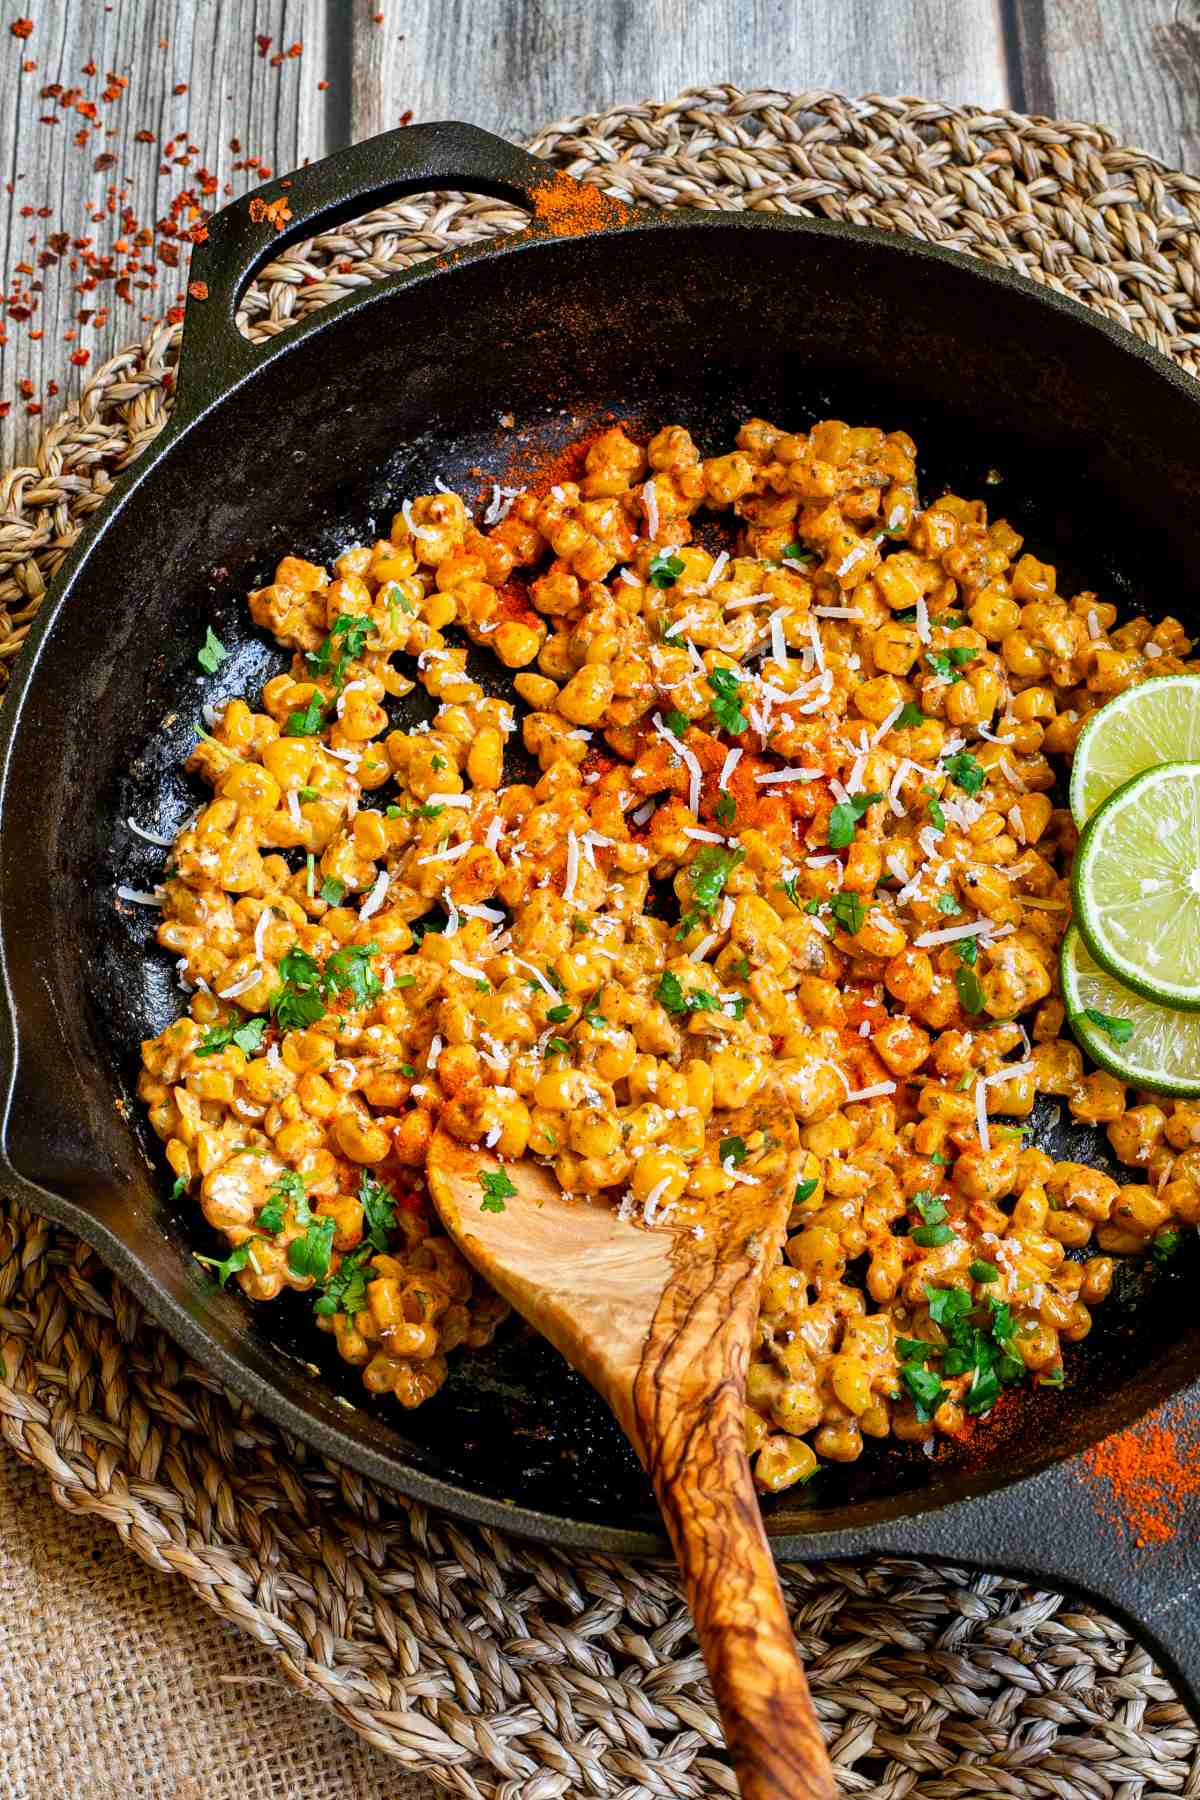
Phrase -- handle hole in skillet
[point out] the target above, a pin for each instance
(304, 277)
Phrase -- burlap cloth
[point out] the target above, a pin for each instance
(501, 1669)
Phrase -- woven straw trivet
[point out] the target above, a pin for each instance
(505, 1670)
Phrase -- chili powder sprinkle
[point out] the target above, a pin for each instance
(1143, 1477)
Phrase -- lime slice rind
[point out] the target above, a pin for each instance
(1162, 1055)
(1136, 884)
(1153, 722)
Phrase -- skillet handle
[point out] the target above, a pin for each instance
(1069, 1528)
(414, 159)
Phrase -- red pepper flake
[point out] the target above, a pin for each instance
(5, 408)
(89, 68)
(22, 28)
(34, 407)
(296, 49)
(29, 66)
(277, 211)
(37, 334)
(26, 387)
(406, 117)
(175, 315)
(52, 388)
(80, 357)
(378, 17)
(105, 160)
(180, 87)
(198, 290)
(47, 119)
(143, 137)
(321, 86)
(264, 44)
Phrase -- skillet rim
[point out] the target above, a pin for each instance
(330, 1439)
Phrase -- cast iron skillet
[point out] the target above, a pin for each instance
(467, 366)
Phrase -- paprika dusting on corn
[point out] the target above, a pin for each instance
(1146, 1474)
(568, 208)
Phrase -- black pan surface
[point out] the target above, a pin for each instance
(478, 368)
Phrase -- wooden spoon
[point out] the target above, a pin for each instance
(659, 1321)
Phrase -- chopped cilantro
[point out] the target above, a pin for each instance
(968, 951)
(946, 903)
(788, 884)
(965, 772)
(179, 1187)
(665, 569)
(497, 1188)
(804, 1191)
(845, 817)
(706, 878)
(247, 1034)
(910, 718)
(379, 1210)
(596, 1020)
(345, 1289)
(732, 1149)
(308, 719)
(332, 891)
(394, 812)
(677, 722)
(232, 1264)
(725, 809)
(931, 1207)
(795, 552)
(925, 1387)
(931, 1237)
(309, 1255)
(983, 1271)
(346, 640)
(349, 971)
(740, 970)
(726, 704)
(287, 1190)
(848, 909)
(437, 763)
(1164, 1245)
(557, 1046)
(212, 652)
(948, 663)
(558, 1015)
(970, 991)
(935, 808)
(407, 1070)
(1119, 1030)
(671, 994)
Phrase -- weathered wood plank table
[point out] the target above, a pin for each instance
(108, 112)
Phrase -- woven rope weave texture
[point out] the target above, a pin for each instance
(505, 1670)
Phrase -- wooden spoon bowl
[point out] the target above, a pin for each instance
(659, 1320)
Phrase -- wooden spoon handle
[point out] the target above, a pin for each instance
(707, 1497)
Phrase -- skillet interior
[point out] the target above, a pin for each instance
(701, 321)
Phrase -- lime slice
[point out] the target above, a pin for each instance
(1153, 722)
(1161, 1053)
(1136, 884)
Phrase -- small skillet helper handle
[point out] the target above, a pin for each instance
(414, 159)
(1073, 1528)
(706, 1493)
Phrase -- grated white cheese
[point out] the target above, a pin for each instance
(417, 531)
(746, 600)
(645, 812)
(864, 1030)
(568, 892)
(242, 986)
(715, 573)
(727, 909)
(538, 977)
(260, 932)
(951, 934)
(1013, 779)
(151, 837)
(896, 868)
(991, 736)
(467, 970)
(557, 491)
(902, 768)
(854, 780)
(981, 1123)
(452, 800)
(650, 1210)
(628, 577)
(702, 837)
(732, 759)
(491, 836)
(702, 948)
(814, 633)
(293, 806)
(778, 641)
(493, 1137)
(690, 762)
(922, 619)
(650, 496)
(140, 898)
(818, 862)
(453, 919)
(1151, 649)
(1093, 624)
(501, 503)
(837, 612)
(789, 774)
(374, 899)
(453, 855)
(876, 1092)
(837, 790)
(1018, 824)
(435, 1050)
(882, 730)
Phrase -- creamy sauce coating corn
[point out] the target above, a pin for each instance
(832, 749)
